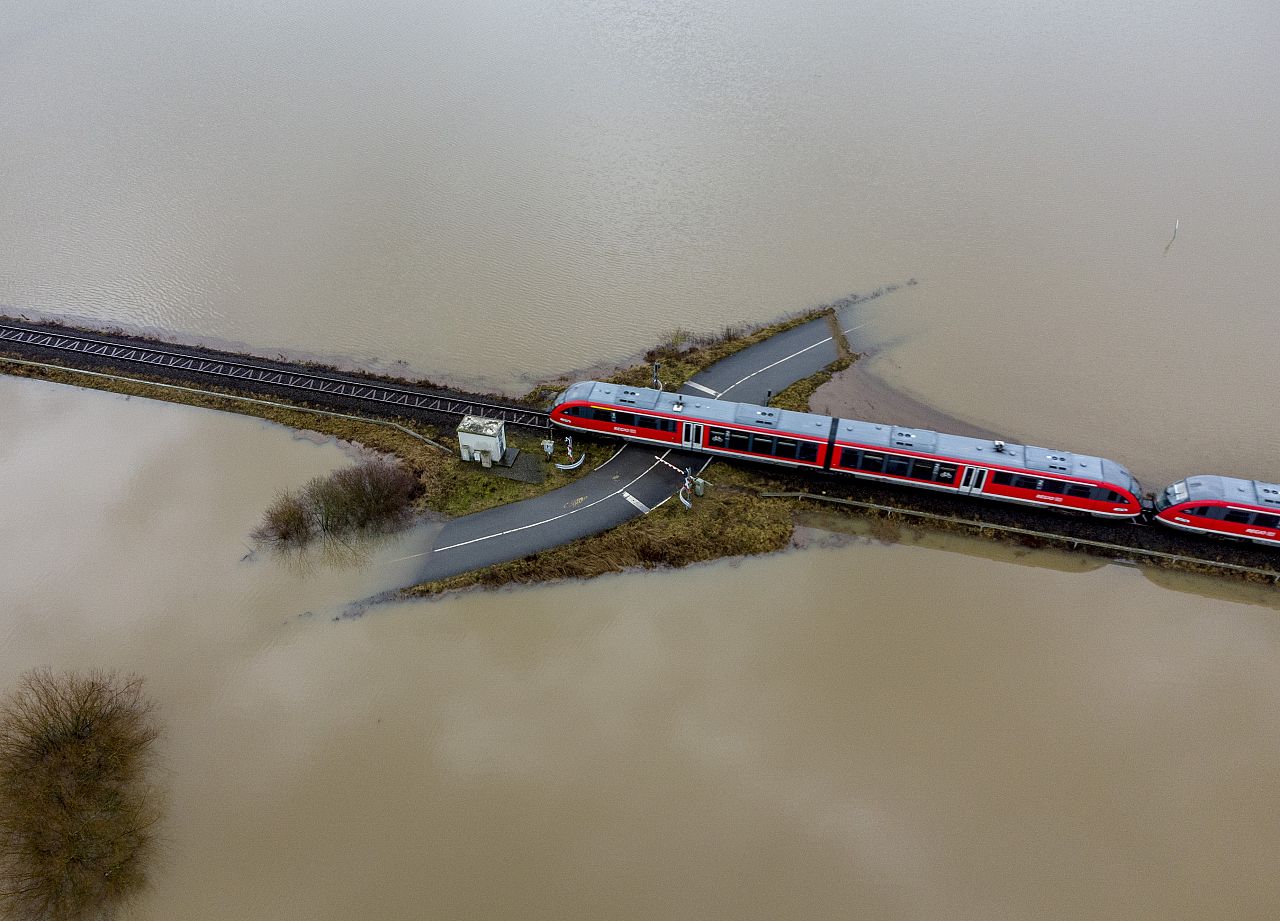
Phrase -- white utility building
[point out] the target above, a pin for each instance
(483, 440)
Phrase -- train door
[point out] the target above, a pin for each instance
(974, 477)
(692, 435)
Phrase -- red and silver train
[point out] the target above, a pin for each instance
(922, 458)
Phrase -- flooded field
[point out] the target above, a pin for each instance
(495, 192)
(906, 731)
(413, 182)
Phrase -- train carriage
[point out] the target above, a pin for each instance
(1223, 506)
(917, 457)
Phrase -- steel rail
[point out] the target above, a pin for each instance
(262, 374)
(1075, 542)
(294, 407)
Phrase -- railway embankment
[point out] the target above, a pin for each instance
(741, 516)
(305, 383)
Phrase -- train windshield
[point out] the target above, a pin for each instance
(1172, 496)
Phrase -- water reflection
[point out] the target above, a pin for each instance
(412, 182)
(887, 728)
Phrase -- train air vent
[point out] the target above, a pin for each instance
(1270, 494)
(751, 415)
(628, 396)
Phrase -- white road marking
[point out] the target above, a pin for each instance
(524, 527)
(612, 456)
(775, 364)
(623, 490)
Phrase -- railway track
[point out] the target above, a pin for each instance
(325, 387)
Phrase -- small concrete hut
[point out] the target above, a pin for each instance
(484, 440)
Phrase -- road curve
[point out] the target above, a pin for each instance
(634, 480)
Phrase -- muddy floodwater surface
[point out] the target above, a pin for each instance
(897, 730)
(494, 192)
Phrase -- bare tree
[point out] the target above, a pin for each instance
(77, 809)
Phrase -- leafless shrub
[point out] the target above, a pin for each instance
(77, 811)
(372, 497)
(287, 522)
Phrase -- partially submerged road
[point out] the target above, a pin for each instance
(633, 481)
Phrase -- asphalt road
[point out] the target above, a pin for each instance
(633, 481)
(772, 365)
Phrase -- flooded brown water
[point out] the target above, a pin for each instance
(893, 730)
(412, 182)
(925, 730)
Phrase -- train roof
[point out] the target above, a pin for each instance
(977, 450)
(1232, 489)
(705, 408)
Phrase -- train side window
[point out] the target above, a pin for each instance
(1238, 516)
(900, 466)
(785, 448)
(657, 425)
(624, 418)
(1079, 490)
(1113, 496)
(1055, 487)
(1002, 478)
(602, 415)
(572, 411)
(718, 438)
(762, 444)
(808, 451)
(739, 441)
(873, 463)
(946, 473)
(1263, 520)
(922, 469)
(1026, 482)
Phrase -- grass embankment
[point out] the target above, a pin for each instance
(77, 808)
(728, 521)
(682, 355)
(731, 520)
(449, 487)
(797, 396)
